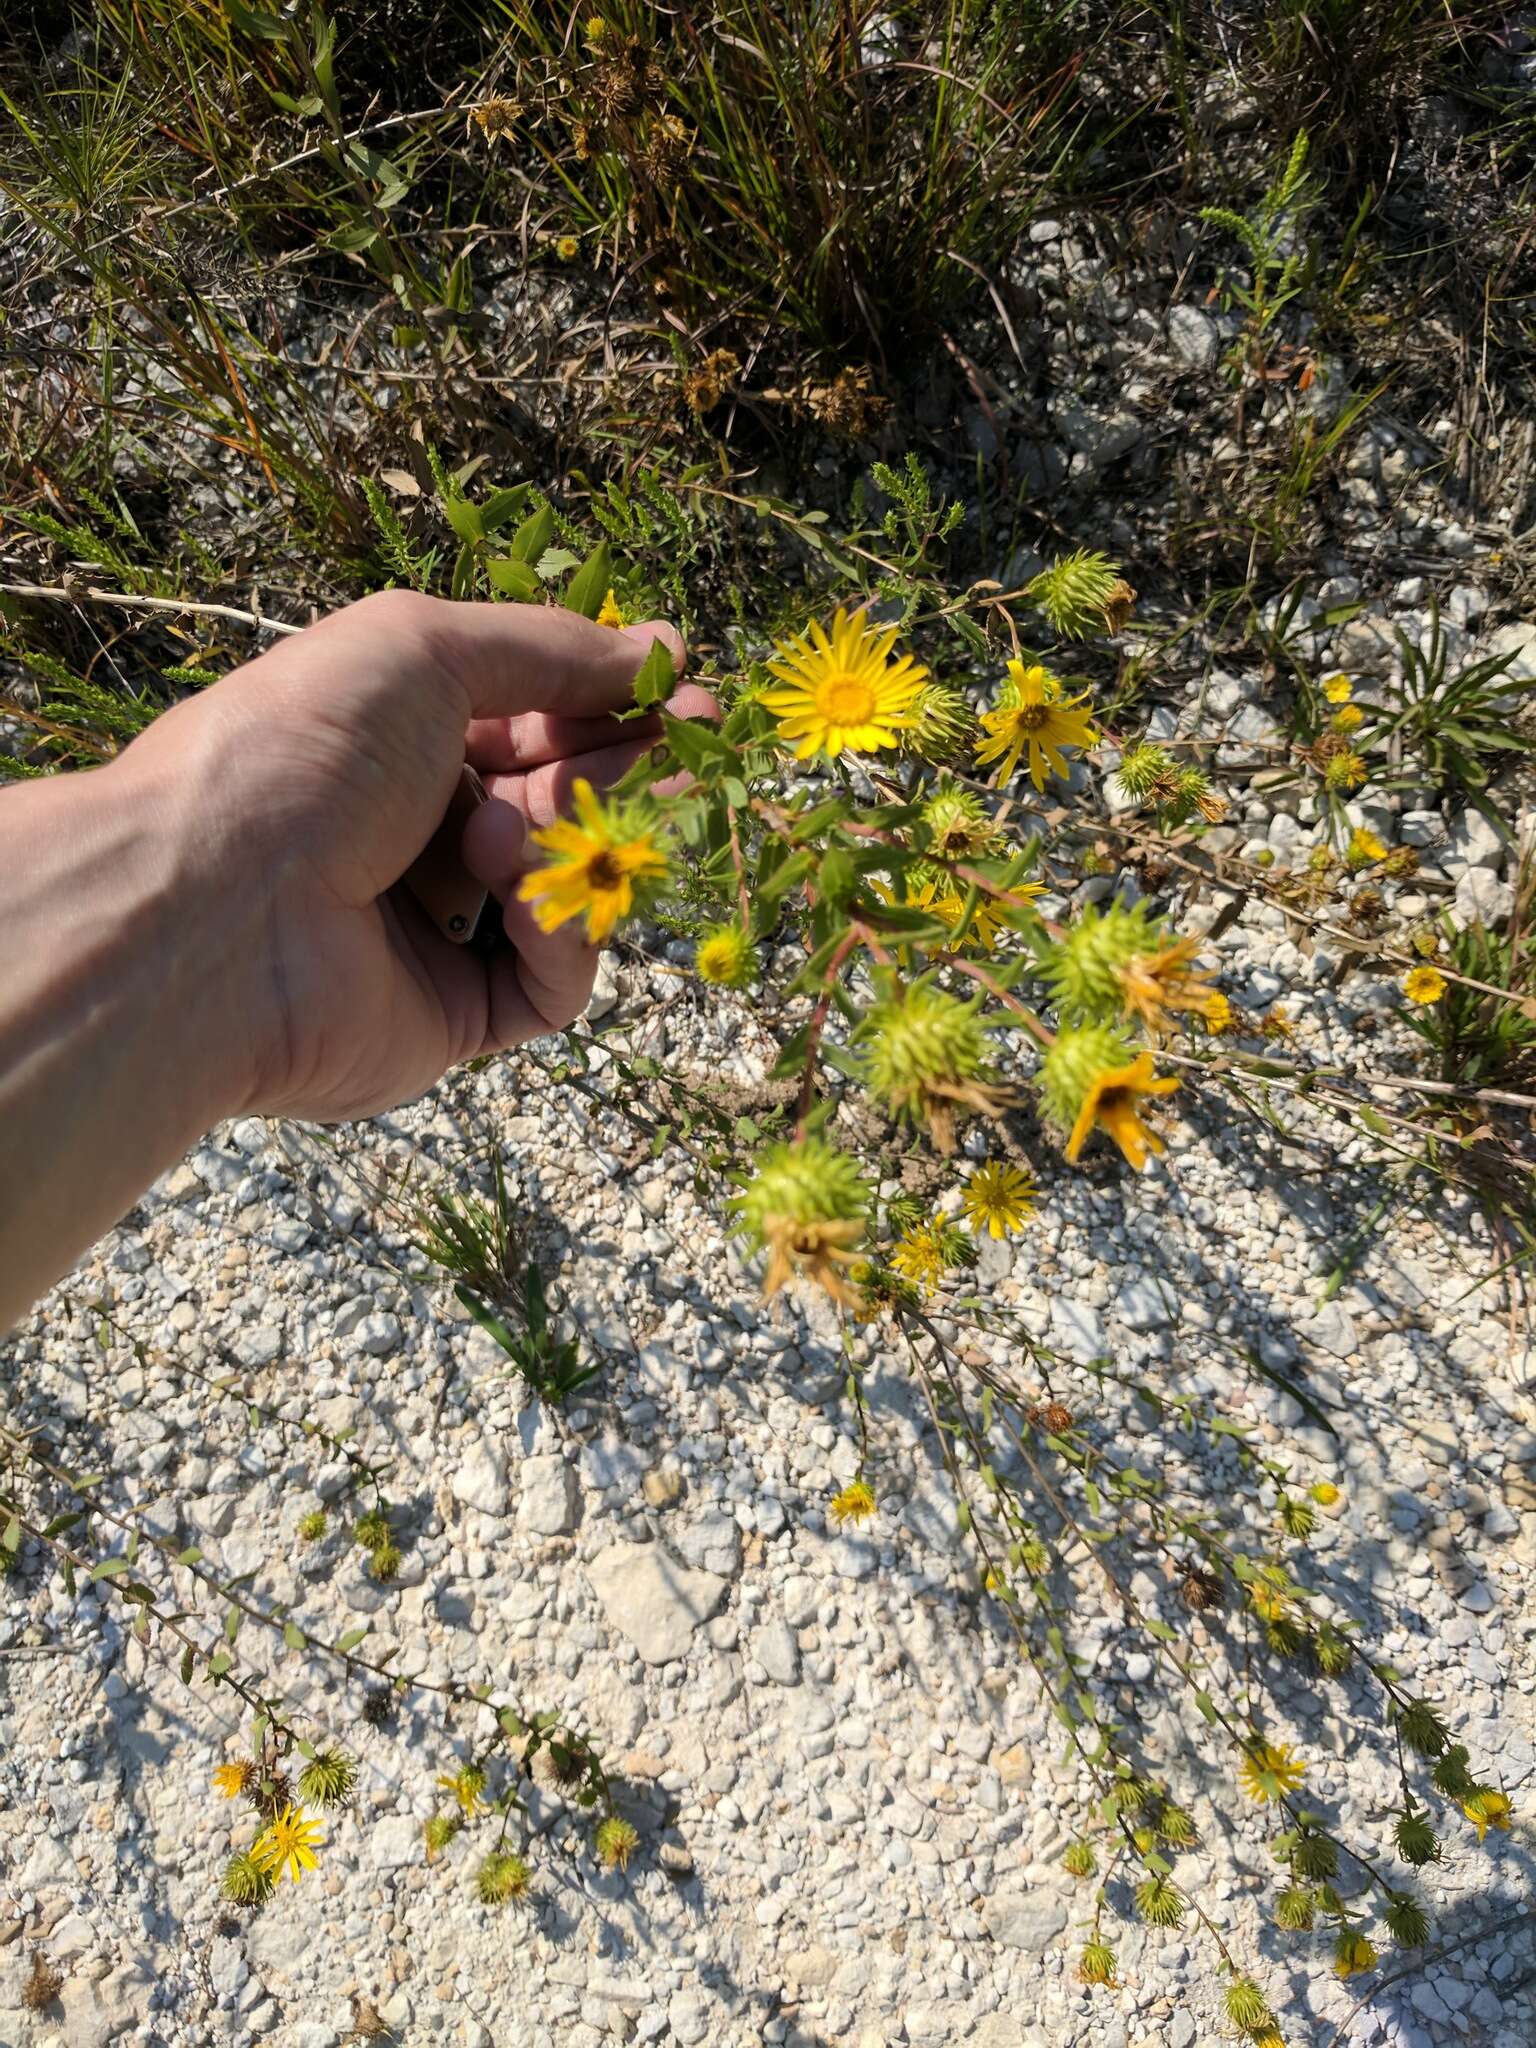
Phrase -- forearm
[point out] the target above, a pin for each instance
(115, 1022)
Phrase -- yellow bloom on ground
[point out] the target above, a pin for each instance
(1032, 715)
(724, 956)
(1352, 1954)
(1423, 984)
(232, 1779)
(1266, 1603)
(567, 248)
(598, 859)
(1488, 1808)
(1219, 1020)
(1270, 1772)
(855, 1503)
(842, 691)
(1110, 1105)
(1338, 689)
(466, 1785)
(608, 613)
(1348, 718)
(1346, 770)
(918, 1256)
(1364, 848)
(287, 1848)
(1324, 1492)
(1156, 985)
(997, 1198)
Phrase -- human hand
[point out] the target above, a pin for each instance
(319, 773)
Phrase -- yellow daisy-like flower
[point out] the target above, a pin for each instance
(997, 1198)
(1154, 986)
(1324, 1492)
(1110, 1105)
(1218, 1015)
(1338, 689)
(608, 613)
(724, 956)
(466, 1785)
(287, 1848)
(1270, 1772)
(855, 1503)
(1346, 770)
(598, 859)
(567, 248)
(918, 1256)
(841, 692)
(1348, 718)
(1488, 1808)
(233, 1779)
(1266, 1602)
(1423, 985)
(1032, 715)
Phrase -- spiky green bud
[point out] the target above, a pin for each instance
(958, 823)
(1078, 1059)
(943, 725)
(502, 1876)
(328, 1779)
(1079, 1860)
(1082, 593)
(1298, 1518)
(440, 1830)
(383, 1562)
(1176, 1826)
(1142, 768)
(1294, 1910)
(1159, 1902)
(1422, 1729)
(1314, 1857)
(372, 1529)
(1451, 1774)
(313, 1525)
(1086, 968)
(725, 956)
(1417, 1842)
(1246, 2006)
(245, 1882)
(1096, 1964)
(615, 1841)
(1332, 1650)
(805, 1183)
(923, 1048)
(1407, 1920)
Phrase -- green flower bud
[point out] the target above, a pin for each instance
(502, 1876)
(1314, 1857)
(943, 725)
(615, 1841)
(1294, 1910)
(1160, 1903)
(1407, 1920)
(810, 1182)
(328, 1779)
(924, 1053)
(1083, 593)
(1086, 968)
(1422, 1729)
(439, 1831)
(1079, 1860)
(1074, 1063)
(1096, 1964)
(1417, 1842)
(1142, 768)
(1451, 1774)
(1246, 2006)
(245, 1881)
(958, 822)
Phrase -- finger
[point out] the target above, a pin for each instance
(545, 793)
(505, 745)
(494, 845)
(544, 984)
(514, 658)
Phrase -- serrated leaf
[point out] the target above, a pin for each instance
(591, 583)
(657, 674)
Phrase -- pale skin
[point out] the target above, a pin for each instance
(209, 926)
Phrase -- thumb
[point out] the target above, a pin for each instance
(512, 658)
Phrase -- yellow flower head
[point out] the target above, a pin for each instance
(567, 248)
(1346, 770)
(997, 1199)
(608, 613)
(1423, 985)
(842, 692)
(1217, 1012)
(918, 1256)
(1488, 1808)
(806, 1205)
(1324, 1492)
(233, 1779)
(1338, 689)
(855, 1503)
(1092, 1081)
(466, 1784)
(1352, 1954)
(1348, 718)
(724, 956)
(1033, 716)
(1267, 1602)
(287, 1847)
(599, 858)
(1157, 985)
(1270, 1772)
(1364, 848)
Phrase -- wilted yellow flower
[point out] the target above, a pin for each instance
(1345, 770)
(1093, 1082)
(233, 1779)
(806, 1205)
(1033, 717)
(600, 856)
(287, 1848)
(855, 1503)
(466, 1784)
(1423, 985)
(1156, 986)
(842, 691)
(1270, 1772)
(997, 1198)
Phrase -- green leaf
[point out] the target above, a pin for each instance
(464, 518)
(219, 1663)
(1207, 1707)
(531, 541)
(351, 1639)
(513, 578)
(109, 1568)
(653, 684)
(554, 562)
(293, 1635)
(591, 583)
(231, 1623)
(12, 1536)
(503, 505)
(266, 26)
(493, 1325)
(187, 1662)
